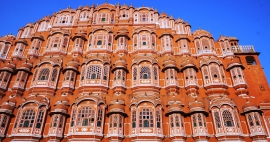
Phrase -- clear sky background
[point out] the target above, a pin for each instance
(248, 20)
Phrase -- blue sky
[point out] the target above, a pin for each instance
(247, 20)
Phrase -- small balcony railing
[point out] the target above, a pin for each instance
(243, 49)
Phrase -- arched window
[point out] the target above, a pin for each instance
(83, 73)
(111, 121)
(214, 71)
(99, 42)
(39, 119)
(27, 119)
(155, 73)
(228, 118)
(35, 74)
(145, 73)
(158, 119)
(135, 73)
(146, 118)
(106, 70)
(120, 121)
(194, 121)
(54, 122)
(115, 121)
(103, 17)
(177, 121)
(257, 121)
(65, 42)
(250, 120)
(217, 120)
(119, 75)
(172, 123)
(133, 119)
(93, 76)
(86, 116)
(67, 75)
(124, 76)
(73, 117)
(200, 120)
(250, 60)
(4, 121)
(94, 72)
(44, 74)
(99, 118)
(61, 121)
(54, 74)
(72, 78)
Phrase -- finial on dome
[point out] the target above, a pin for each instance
(106, 1)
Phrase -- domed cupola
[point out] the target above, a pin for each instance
(204, 43)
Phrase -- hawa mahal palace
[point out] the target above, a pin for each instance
(117, 73)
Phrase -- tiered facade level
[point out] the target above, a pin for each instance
(114, 73)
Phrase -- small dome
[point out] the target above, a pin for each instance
(163, 14)
(73, 65)
(175, 107)
(169, 63)
(121, 63)
(38, 37)
(124, 6)
(27, 65)
(249, 105)
(188, 62)
(46, 18)
(8, 67)
(86, 7)
(234, 63)
(222, 38)
(61, 106)
(201, 32)
(116, 106)
(196, 104)
(179, 20)
(30, 25)
(21, 41)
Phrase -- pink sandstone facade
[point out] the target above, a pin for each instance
(112, 73)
